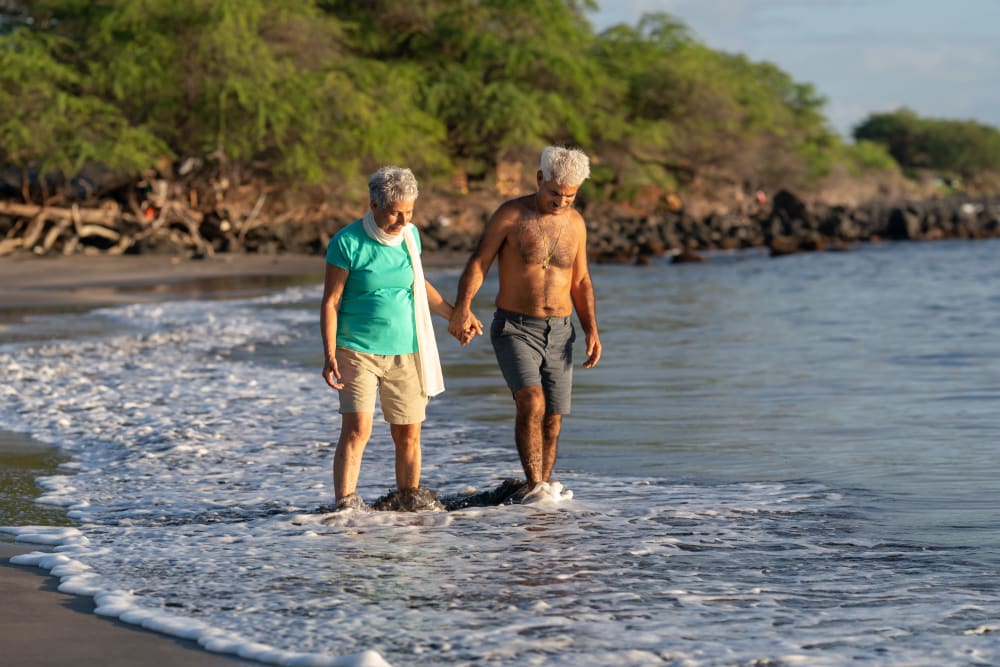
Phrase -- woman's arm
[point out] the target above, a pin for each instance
(333, 290)
(436, 302)
(438, 305)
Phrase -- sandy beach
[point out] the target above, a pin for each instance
(39, 626)
(88, 281)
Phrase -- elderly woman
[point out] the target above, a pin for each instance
(377, 334)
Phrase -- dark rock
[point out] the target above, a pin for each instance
(502, 495)
(789, 205)
(783, 245)
(687, 255)
(903, 224)
(409, 500)
(811, 244)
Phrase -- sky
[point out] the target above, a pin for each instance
(939, 58)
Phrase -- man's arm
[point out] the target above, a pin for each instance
(476, 269)
(333, 290)
(582, 293)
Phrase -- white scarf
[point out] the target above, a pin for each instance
(428, 361)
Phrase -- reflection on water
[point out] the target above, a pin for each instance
(22, 460)
(229, 287)
(875, 369)
(777, 462)
(48, 322)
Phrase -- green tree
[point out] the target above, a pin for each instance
(965, 148)
(692, 111)
(499, 74)
(50, 126)
(317, 91)
(899, 132)
(258, 82)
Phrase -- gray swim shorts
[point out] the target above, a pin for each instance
(535, 351)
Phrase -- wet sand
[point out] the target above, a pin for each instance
(81, 281)
(39, 626)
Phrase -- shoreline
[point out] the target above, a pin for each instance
(82, 281)
(658, 224)
(88, 281)
(42, 627)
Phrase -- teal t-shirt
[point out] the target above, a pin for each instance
(376, 309)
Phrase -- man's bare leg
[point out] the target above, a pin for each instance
(528, 431)
(551, 427)
(356, 428)
(407, 440)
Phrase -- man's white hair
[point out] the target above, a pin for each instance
(391, 184)
(565, 166)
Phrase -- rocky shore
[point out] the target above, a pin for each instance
(789, 225)
(617, 233)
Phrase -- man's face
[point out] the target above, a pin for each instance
(393, 217)
(554, 198)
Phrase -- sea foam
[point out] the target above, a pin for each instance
(199, 475)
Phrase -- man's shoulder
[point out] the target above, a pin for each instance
(515, 209)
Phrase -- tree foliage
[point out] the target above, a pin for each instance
(691, 110)
(50, 124)
(965, 148)
(319, 90)
(252, 80)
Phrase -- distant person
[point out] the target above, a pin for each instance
(378, 338)
(541, 243)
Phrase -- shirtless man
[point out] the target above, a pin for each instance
(541, 243)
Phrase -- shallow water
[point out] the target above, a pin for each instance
(786, 460)
(22, 460)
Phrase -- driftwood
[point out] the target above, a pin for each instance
(160, 218)
(97, 216)
(165, 221)
(44, 229)
(616, 233)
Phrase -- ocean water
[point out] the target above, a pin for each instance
(777, 462)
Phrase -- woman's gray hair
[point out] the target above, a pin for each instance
(565, 166)
(391, 184)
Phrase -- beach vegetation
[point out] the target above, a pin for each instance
(315, 93)
(960, 148)
(53, 125)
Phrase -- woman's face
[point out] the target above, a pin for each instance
(393, 217)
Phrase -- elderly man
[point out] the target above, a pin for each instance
(540, 241)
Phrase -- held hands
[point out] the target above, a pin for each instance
(475, 329)
(464, 326)
(332, 374)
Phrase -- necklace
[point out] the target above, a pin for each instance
(552, 246)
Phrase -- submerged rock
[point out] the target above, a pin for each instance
(409, 500)
(505, 494)
(510, 492)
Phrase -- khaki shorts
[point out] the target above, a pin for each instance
(393, 377)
